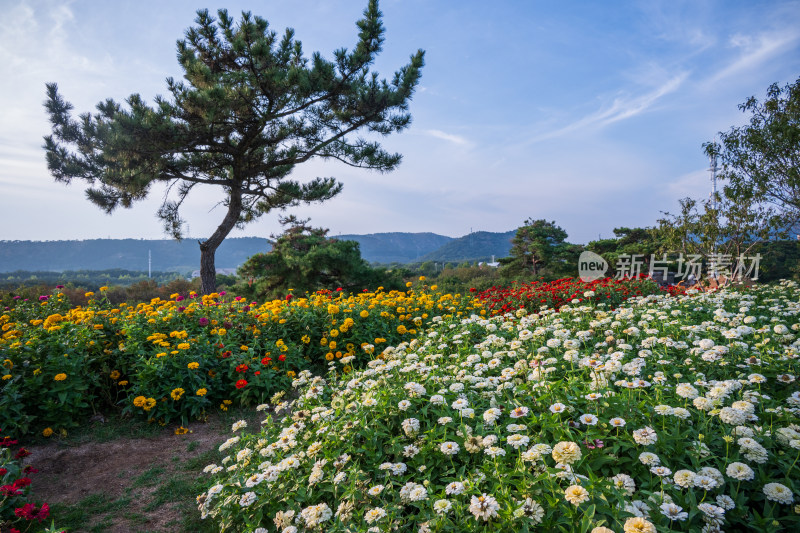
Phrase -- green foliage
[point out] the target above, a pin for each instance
(539, 246)
(88, 279)
(629, 241)
(761, 160)
(304, 259)
(252, 107)
(728, 226)
(462, 278)
(780, 260)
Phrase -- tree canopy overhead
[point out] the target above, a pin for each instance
(251, 108)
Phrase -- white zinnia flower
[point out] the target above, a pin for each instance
(645, 436)
(449, 448)
(455, 488)
(484, 506)
(442, 506)
(374, 514)
(673, 512)
(777, 492)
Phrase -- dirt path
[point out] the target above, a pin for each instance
(130, 484)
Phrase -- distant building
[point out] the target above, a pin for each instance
(222, 271)
(493, 264)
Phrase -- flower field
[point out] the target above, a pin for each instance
(664, 413)
(177, 359)
(533, 295)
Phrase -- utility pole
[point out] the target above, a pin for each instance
(713, 169)
(149, 264)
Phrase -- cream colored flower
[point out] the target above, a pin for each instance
(638, 525)
(576, 495)
(566, 452)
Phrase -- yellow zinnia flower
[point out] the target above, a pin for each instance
(60, 377)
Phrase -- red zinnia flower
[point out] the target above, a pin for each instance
(30, 512)
(22, 482)
(241, 383)
(266, 360)
(242, 368)
(282, 357)
(9, 490)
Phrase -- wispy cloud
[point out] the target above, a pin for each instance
(755, 51)
(449, 137)
(622, 108)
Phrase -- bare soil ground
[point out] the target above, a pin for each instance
(130, 483)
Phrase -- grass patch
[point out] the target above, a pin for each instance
(78, 516)
(148, 478)
(199, 462)
(114, 427)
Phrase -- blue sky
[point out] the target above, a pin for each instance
(591, 114)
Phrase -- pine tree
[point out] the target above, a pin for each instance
(536, 245)
(304, 258)
(252, 107)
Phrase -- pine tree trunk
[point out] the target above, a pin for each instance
(208, 248)
(208, 271)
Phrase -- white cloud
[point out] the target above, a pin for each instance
(622, 108)
(449, 137)
(755, 51)
(695, 184)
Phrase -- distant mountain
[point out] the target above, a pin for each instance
(184, 256)
(131, 254)
(478, 246)
(396, 247)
